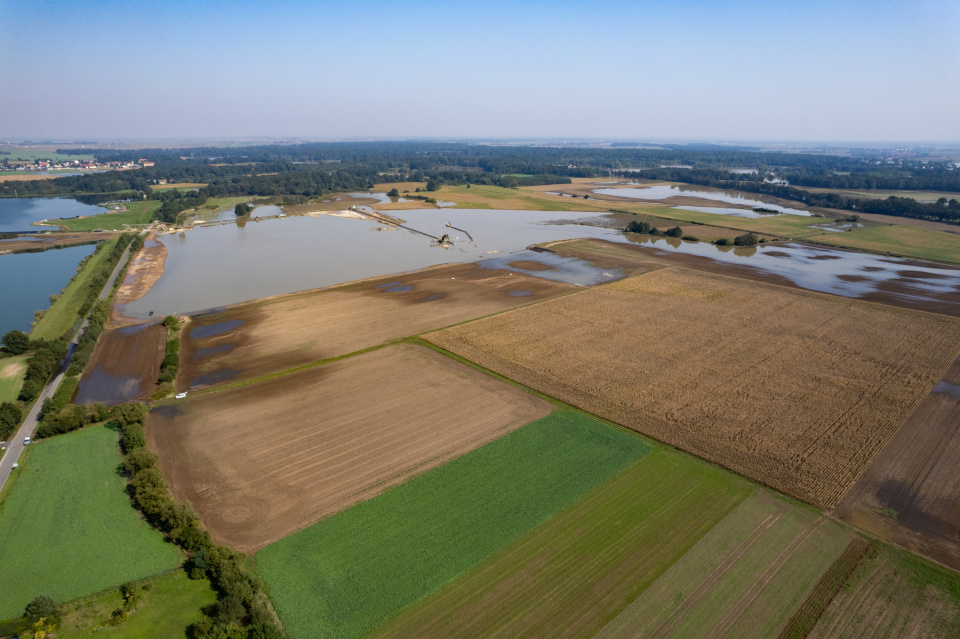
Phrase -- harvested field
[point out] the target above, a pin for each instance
(743, 579)
(394, 550)
(796, 389)
(143, 271)
(259, 463)
(280, 333)
(910, 493)
(576, 572)
(909, 241)
(891, 595)
(12, 370)
(124, 366)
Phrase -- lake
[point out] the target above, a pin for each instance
(27, 280)
(220, 265)
(16, 214)
(665, 191)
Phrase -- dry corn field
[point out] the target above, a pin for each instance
(796, 389)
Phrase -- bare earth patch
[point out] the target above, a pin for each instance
(124, 366)
(796, 389)
(280, 333)
(263, 461)
(143, 271)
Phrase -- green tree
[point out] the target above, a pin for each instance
(433, 184)
(10, 416)
(242, 209)
(675, 232)
(747, 239)
(45, 607)
(16, 342)
(393, 193)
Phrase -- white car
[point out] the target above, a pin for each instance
(181, 395)
(26, 442)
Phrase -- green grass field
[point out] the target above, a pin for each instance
(137, 213)
(11, 377)
(63, 314)
(721, 587)
(347, 574)
(576, 572)
(31, 155)
(882, 194)
(911, 241)
(67, 528)
(168, 604)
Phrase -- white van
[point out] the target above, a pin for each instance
(26, 442)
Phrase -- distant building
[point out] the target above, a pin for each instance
(146, 163)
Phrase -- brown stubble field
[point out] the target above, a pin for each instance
(798, 390)
(292, 330)
(910, 494)
(263, 461)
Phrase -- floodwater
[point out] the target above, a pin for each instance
(570, 270)
(226, 264)
(665, 191)
(16, 214)
(27, 280)
(907, 283)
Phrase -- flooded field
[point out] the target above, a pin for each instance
(27, 280)
(124, 366)
(747, 201)
(889, 280)
(221, 265)
(17, 214)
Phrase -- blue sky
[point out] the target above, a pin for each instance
(824, 71)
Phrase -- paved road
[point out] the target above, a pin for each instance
(29, 426)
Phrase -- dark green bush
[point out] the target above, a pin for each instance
(747, 239)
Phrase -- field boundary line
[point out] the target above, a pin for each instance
(766, 577)
(716, 574)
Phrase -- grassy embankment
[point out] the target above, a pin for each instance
(168, 605)
(67, 527)
(182, 186)
(910, 241)
(140, 212)
(11, 377)
(64, 312)
(347, 574)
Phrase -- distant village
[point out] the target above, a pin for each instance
(44, 165)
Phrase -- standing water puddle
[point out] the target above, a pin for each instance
(570, 270)
(202, 332)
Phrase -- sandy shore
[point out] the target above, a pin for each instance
(144, 270)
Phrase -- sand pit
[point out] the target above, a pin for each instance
(262, 461)
(143, 271)
(280, 333)
(798, 390)
(124, 366)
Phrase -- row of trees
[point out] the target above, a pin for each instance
(243, 609)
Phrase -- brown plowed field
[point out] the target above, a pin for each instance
(124, 366)
(280, 333)
(799, 390)
(910, 494)
(263, 461)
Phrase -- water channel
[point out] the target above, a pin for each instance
(665, 191)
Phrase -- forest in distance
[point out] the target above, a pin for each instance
(316, 169)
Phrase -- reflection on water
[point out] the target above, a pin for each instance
(665, 191)
(225, 264)
(718, 210)
(827, 270)
(16, 214)
(211, 330)
(560, 269)
(27, 280)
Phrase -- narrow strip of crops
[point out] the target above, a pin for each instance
(575, 573)
(347, 574)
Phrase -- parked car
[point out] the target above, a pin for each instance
(181, 395)
(26, 442)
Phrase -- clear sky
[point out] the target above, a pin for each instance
(807, 70)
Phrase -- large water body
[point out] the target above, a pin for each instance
(16, 214)
(665, 191)
(220, 265)
(28, 279)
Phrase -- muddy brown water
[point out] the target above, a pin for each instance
(124, 366)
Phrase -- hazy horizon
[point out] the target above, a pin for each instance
(820, 73)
